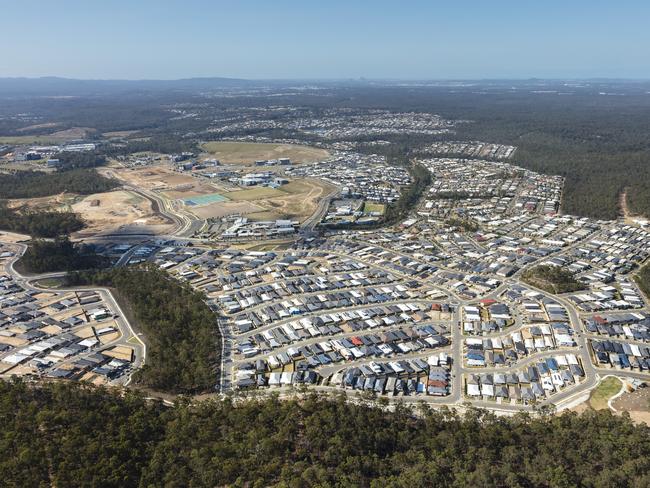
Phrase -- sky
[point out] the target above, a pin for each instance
(327, 39)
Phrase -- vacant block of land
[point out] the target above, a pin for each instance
(636, 403)
(257, 193)
(100, 212)
(222, 209)
(104, 212)
(152, 177)
(552, 279)
(296, 200)
(605, 390)
(249, 152)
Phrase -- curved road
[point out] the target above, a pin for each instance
(128, 335)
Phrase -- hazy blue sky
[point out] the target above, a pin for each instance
(325, 39)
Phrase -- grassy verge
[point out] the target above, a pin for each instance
(605, 390)
(374, 207)
(50, 283)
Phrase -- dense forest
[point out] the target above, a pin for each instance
(467, 225)
(180, 330)
(410, 195)
(552, 279)
(75, 160)
(39, 223)
(34, 184)
(167, 144)
(599, 143)
(60, 255)
(72, 435)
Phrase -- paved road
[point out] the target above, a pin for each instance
(167, 208)
(128, 336)
(321, 210)
(456, 398)
(186, 224)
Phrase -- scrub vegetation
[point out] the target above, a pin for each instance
(73, 435)
(180, 330)
(552, 279)
(39, 223)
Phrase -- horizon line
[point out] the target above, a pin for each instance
(344, 78)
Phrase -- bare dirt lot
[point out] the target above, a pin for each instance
(624, 208)
(102, 212)
(164, 180)
(153, 177)
(629, 216)
(112, 210)
(637, 404)
(249, 152)
(120, 352)
(10, 237)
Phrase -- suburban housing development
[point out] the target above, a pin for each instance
(316, 282)
(324, 244)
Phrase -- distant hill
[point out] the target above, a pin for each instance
(54, 86)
